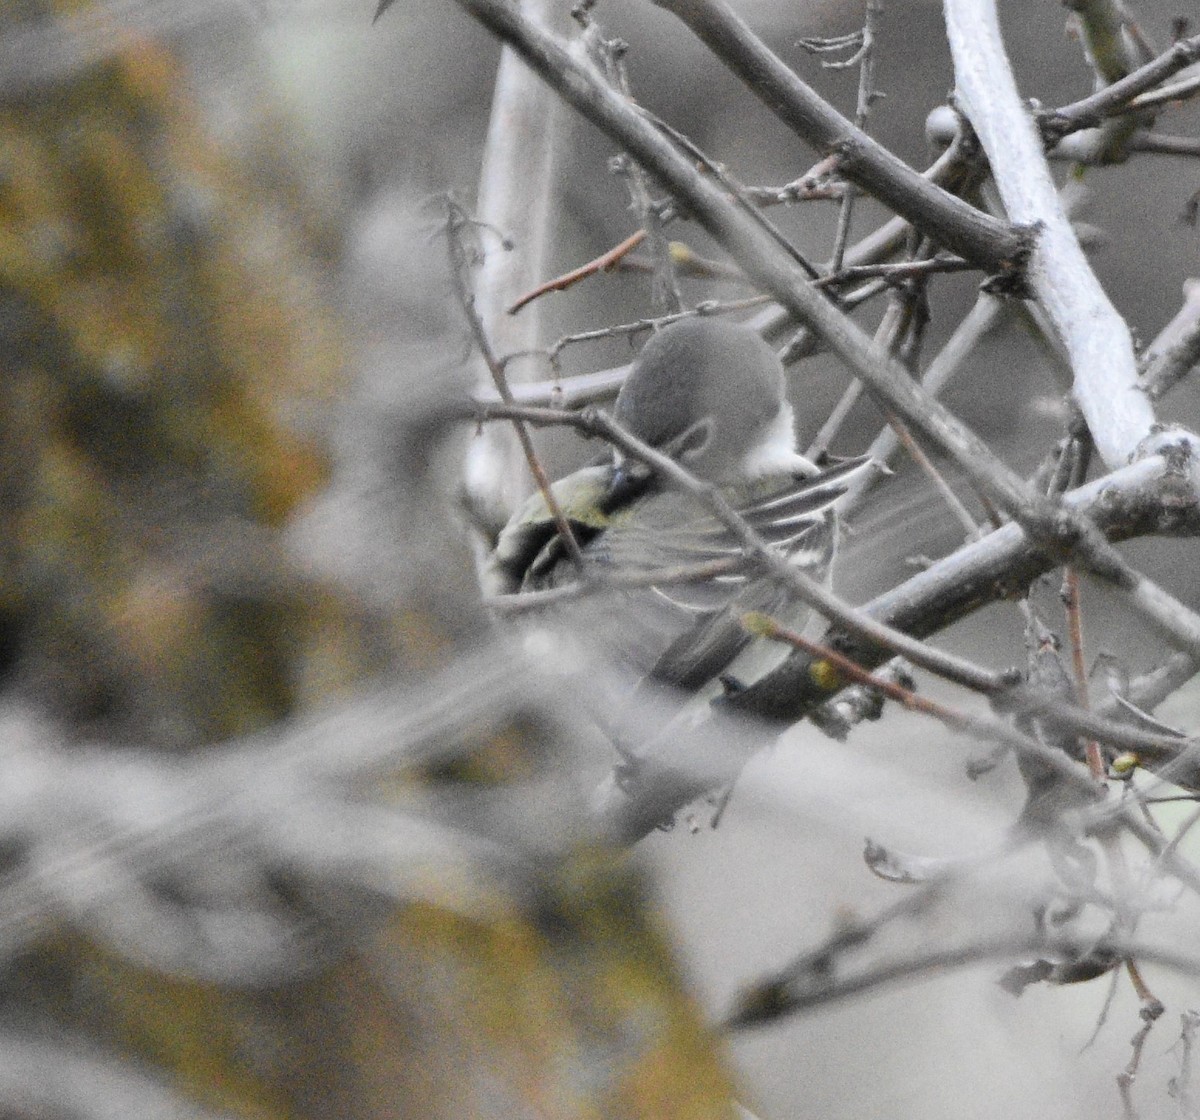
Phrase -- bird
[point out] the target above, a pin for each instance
(711, 395)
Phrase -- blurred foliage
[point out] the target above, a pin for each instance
(169, 362)
(163, 333)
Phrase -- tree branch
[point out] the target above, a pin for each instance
(758, 253)
(1089, 112)
(1138, 499)
(863, 161)
(1101, 351)
(516, 196)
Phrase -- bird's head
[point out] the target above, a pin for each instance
(711, 395)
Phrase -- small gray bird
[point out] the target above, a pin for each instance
(710, 395)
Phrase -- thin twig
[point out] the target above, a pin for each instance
(701, 310)
(607, 260)
(1071, 471)
(1169, 95)
(1162, 144)
(887, 336)
(531, 601)
(1180, 1086)
(895, 272)
(664, 293)
(984, 317)
(861, 160)
(763, 626)
(771, 1002)
(803, 189)
(865, 57)
(1092, 111)
(952, 500)
(1128, 1075)
(735, 189)
(456, 221)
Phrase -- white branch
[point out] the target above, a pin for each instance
(1096, 337)
(516, 196)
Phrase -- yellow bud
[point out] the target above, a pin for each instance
(759, 624)
(680, 253)
(825, 676)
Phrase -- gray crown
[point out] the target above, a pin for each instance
(712, 385)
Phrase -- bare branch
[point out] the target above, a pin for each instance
(516, 196)
(602, 263)
(771, 1002)
(759, 253)
(455, 221)
(865, 57)
(1176, 350)
(1120, 94)
(1119, 415)
(863, 161)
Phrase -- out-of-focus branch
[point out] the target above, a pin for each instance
(1105, 371)
(105, 829)
(861, 160)
(455, 222)
(1112, 52)
(770, 1002)
(516, 197)
(71, 1077)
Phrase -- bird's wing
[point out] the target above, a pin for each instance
(529, 547)
(684, 635)
(695, 629)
